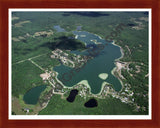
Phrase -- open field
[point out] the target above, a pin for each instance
(108, 106)
(24, 77)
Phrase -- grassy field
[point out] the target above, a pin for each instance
(24, 77)
(108, 106)
(46, 61)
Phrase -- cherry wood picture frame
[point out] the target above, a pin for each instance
(154, 5)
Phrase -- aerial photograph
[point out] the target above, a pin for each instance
(79, 62)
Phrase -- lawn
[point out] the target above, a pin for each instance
(24, 77)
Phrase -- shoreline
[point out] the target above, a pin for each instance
(85, 82)
(116, 68)
(102, 87)
(121, 50)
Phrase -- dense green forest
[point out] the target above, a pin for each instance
(26, 44)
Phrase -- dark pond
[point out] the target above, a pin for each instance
(72, 95)
(131, 25)
(91, 103)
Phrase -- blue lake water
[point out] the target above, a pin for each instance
(32, 96)
(103, 63)
(59, 29)
(79, 28)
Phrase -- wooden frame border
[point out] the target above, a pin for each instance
(6, 4)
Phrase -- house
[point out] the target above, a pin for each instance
(26, 110)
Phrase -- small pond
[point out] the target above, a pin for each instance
(59, 29)
(91, 103)
(32, 96)
(72, 95)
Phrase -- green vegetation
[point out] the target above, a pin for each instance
(102, 24)
(46, 61)
(108, 106)
(134, 42)
(137, 55)
(137, 42)
(140, 88)
(24, 77)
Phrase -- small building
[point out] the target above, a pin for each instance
(52, 56)
(26, 110)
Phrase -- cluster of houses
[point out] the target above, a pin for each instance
(84, 90)
(125, 95)
(63, 57)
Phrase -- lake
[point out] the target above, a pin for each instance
(32, 96)
(103, 63)
(59, 29)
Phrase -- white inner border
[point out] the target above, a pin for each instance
(75, 117)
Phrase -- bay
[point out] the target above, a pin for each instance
(102, 63)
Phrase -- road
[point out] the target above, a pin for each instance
(21, 61)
